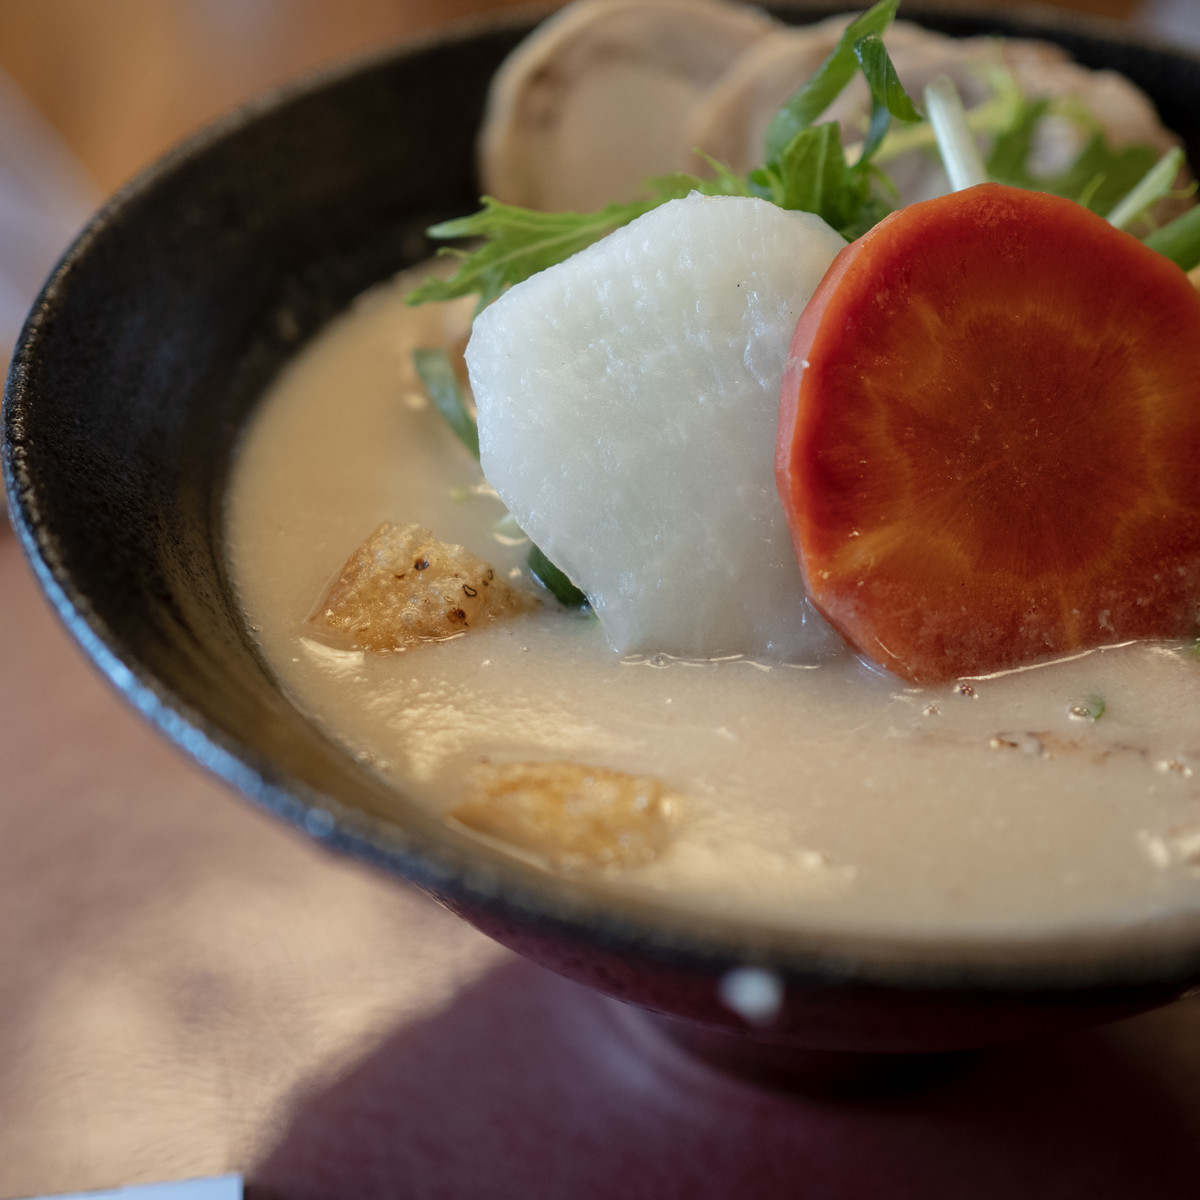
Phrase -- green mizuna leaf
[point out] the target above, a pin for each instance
(519, 242)
(554, 580)
(1179, 240)
(435, 371)
(808, 102)
(810, 171)
(1098, 178)
(1154, 186)
(888, 97)
(1013, 146)
(812, 175)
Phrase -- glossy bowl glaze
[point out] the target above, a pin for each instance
(133, 378)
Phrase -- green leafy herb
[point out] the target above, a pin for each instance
(520, 242)
(1179, 240)
(1150, 189)
(435, 371)
(807, 167)
(1098, 178)
(812, 175)
(888, 97)
(809, 175)
(554, 580)
(824, 86)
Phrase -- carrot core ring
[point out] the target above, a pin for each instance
(989, 443)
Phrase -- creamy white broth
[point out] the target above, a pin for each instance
(830, 796)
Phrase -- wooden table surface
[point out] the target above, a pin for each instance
(187, 988)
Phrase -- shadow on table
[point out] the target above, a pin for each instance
(527, 1085)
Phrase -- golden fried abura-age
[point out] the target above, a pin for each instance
(573, 815)
(402, 587)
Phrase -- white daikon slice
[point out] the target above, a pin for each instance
(628, 401)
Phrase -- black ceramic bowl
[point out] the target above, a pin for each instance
(138, 368)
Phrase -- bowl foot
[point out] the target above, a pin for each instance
(835, 1074)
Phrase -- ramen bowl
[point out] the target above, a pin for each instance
(136, 373)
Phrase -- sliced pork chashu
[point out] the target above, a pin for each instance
(598, 98)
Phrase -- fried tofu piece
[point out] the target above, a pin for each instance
(573, 815)
(402, 587)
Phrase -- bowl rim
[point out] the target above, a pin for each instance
(460, 871)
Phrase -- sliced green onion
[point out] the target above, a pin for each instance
(956, 144)
(1152, 187)
(1180, 240)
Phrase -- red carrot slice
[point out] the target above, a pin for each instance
(989, 444)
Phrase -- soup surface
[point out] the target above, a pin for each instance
(1039, 801)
